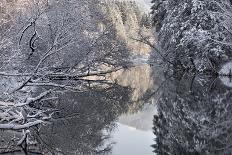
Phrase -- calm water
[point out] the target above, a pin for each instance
(116, 120)
(194, 116)
(144, 114)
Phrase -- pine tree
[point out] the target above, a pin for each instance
(195, 34)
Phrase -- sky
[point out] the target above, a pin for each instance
(145, 4)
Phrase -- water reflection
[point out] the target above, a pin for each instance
(138, 78)
(131, 141)
(94, 122)
(134, 134)
(85, 121)
(194, 117)
(227, 81)
(102, 120)
(226, 74)
(140, 120)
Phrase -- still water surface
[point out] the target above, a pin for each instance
(116, 120)
(143, 114)
(134, 133)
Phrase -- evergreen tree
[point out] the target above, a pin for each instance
(194, 34)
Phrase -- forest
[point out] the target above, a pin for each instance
(69, 69)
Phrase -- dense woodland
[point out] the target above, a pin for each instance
(194, 34)
(194, 110)
(56, 55)
(49, 48)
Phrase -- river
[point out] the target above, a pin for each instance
(114, 121)
(142, 113)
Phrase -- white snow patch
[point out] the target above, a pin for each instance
(226, 69)
(226, 81)
(226, 72)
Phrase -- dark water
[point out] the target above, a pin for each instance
(143, 114)
(194, 116)
(116, 120)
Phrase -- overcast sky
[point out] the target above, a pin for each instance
(145, 4)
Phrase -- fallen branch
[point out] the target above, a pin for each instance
(29, 100)
(19, 126)
(55, 85)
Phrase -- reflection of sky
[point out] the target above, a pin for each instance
(227, 81)
(130, 141)
(226, 70)
(142, 120)
(134, 135)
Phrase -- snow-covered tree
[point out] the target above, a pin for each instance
(48, 47)
(194, 34)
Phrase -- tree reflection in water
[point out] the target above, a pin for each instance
(82, 125)
(194, 117)
(85, 121)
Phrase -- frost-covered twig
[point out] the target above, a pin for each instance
(31, 100)
(19, 116)
(20, 126)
